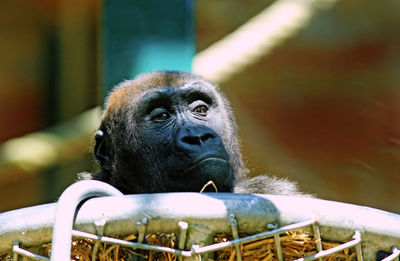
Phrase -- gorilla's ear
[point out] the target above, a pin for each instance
(103, 150)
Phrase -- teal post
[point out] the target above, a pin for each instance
(145, 35)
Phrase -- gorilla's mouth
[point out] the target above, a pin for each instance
(208, 159)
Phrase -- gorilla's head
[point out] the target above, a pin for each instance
(168, 131)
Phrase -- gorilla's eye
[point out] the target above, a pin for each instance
(161, 117)
(201, 109)
(159, 114)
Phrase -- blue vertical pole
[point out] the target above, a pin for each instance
(145, 35)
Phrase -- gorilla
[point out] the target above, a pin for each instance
(170, 131)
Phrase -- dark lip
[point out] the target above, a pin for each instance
(203, 158)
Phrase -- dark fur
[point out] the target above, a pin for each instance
(136, 155)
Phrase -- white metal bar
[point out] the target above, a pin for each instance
(19, 251)
(323, 253)
(66, 209)
(133, 245)
(235, 235)
(317, 235)
(278, 247)
(395, 254)
(253, 238)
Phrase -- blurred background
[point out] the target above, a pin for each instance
(320, 104)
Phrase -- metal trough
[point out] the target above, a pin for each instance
(195, 218)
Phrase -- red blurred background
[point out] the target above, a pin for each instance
(321, 109)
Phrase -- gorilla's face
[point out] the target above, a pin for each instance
(168, 139)
(178, 130)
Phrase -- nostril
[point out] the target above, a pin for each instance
(207, 136)
(192, 140)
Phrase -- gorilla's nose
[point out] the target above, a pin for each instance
(196, 137)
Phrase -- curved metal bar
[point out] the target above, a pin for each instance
(65, 213)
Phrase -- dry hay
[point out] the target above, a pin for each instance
(82, 249)
(294, 245)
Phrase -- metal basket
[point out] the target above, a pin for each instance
(195, 219)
